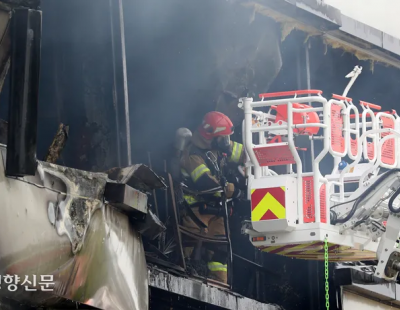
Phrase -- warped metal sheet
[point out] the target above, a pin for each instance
(125, 198)
(138, 176)
(56, 223)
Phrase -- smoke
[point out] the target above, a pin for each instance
(182, 54)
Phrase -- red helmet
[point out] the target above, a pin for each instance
(215, 124)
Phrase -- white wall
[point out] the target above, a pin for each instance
(355, 302)
(380, 14)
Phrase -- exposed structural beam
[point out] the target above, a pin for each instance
(26, 32)
(120, 88)
(307, 48)
(374, 54)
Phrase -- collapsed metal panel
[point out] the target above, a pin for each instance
(60, 211)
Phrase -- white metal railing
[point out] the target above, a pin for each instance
(348, 142)
(340, 112)
(352, 129)
(358, 157)
(367, 126)
(397, 127)
(385, 120)
(248, 104)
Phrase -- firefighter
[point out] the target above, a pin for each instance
(202, 164)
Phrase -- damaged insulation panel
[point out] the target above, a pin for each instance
(287, 23)
(334, 38)
(57, 223)
(80, 193)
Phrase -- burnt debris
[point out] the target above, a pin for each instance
(58, 144)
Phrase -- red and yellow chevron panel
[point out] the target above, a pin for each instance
(315, 251)
(268, 204)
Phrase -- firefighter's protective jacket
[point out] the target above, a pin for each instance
(200, 172)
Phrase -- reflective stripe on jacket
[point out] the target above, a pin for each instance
(199, 172)
(237, 153)
(191, 200)
(215, 266)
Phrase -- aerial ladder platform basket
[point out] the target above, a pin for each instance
(347, 197)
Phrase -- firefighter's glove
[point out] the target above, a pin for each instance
(229, 190)
(239, 181)
(234, 192)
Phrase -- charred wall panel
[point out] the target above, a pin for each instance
(26, 32)
(162, 300)
(77, 82)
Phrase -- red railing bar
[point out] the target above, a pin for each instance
(370, 105)
(348, 99)
(291, 93)
(368, 115)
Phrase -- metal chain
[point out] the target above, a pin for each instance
(326, 274)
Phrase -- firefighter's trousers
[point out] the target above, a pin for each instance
(215, 228)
